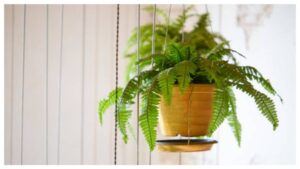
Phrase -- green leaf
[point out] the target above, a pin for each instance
(263, 102)
(181, 19)
(183, 71)
(124, 113)
(267, 108)
(166, 82)
(132, 131)
(220, 110)
(149, 117)
(216, 49)
(127, 99)
(159, 12)
(173, 53)
(232, 118)
(253, 74)
(104, 104)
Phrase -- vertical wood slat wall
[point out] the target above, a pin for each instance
(87, 75)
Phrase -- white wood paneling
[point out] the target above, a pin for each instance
(90, 100)
(54, 34)
(34, 112)
(70, 149)
(17, 84)
(105, 82)
(8, 93)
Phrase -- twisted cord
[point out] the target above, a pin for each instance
(117, 81)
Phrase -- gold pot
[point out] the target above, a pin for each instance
(189, 113)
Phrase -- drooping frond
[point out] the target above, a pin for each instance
(184, 70)
(132, 131)
(127, 99)
(124, 113)
(253, 74)
(232, 117)
(263, 102)
(231, 74)
(238, 78)
(267, 108)
(104, 104)
(166, 82)
(220, 110)
(149, 117)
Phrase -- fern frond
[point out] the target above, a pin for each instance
(131, 67)
(159, 12)
(216, 49)
(181, 19)
(203, 22)
(127, 99)
(220, 110)
(104, 104)
(263, 102)
(173, 53)
(232, 118)
(166, 82)
(132, 131)
(183, 71)
(267, 108)
(158, 59)
(124, 113)
(253, 74)
(149, 117)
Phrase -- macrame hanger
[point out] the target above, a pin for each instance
(182, 41)
(206, 10)
(167, 27)
(183, 13)
(153, 34)
(116, 85)
(153, 50)
(138, 35)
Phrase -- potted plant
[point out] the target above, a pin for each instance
(188, 82)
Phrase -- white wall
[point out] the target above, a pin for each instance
(51, 113)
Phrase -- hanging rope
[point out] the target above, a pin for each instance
(60, 79)
(153, 51)
(23, 80)
(153, 33)
(82, 84)
(183, 13)
(182, 41)
(167, 27)
(206, 8)
(47, 79)
(12, 81)
(117, 71)
(138, 72)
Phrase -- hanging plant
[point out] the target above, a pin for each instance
(202, 57)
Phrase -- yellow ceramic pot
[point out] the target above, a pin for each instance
(189, 113)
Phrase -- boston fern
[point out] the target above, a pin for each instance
(183, 58)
